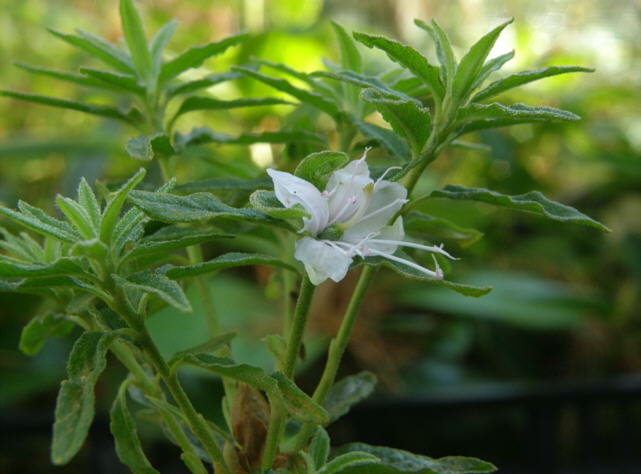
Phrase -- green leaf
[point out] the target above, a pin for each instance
(92, 109)
(195, 207)
(115, 80)
(350, 57)
(129, 228)
(412, 273)
(210, 346)
(407, 57)
(317, 167)
(204, 83)
(443, 48)
(195, 56)
(99, 48)
(75, 403)
(395, 145)
(209, 103)
(224, 367)
(472, 63)
(135, 38)
(406, 116)
(489, 67)
(203, 136)
(62, 267)
(308, 97)
(344, 461)
(159, 43)
(155, 282)
(223, 184)
(228, 260)
(62, 75)
(146, 147)
(88, 201)
(114, 206)
(172, 238)
(277, 345)
(481, 116)
(300, 405)
(470, 146)
(437, 228)
(348, 392)
(307, 78)
(39, 329)
(524, 77)
(123, 429)
(319, 447)
(36, 220)
(267, 202)
(77, 215)
(360, 80)
(532, 201)
(394, 461)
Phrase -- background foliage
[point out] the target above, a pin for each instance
(566, 299)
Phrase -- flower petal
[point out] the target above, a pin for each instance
(292, 190)
(322, 260)
(345, 190)
(387, 199)
(394, 232)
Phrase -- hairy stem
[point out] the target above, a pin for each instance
(278, 413)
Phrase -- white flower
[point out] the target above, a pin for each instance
(356, 207)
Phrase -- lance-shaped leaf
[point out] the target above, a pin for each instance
(348, 392)
(10, 268)
(228, 260)
(308, 97)
(490, 66)
(443, 48)
(299, 405)
(135, 38)
(195, 207)
(123, 429)
(130, 117)
(267, 202)
(172, 238)
(114, 206)
(524, 77)
(158, 284)
(394, 145)
(204, 83)
(39, 329)
(36, 220)
(407, 57)
(146, 147)
(472, 63)
(319, 447)
(87, 199)
(115, 80)
(317, 167)
(159, 43)
(305, 77)
(533, 202)
(223, 184)
(62, 75)
(77, 216)
(397, 461)
(481, 116)
(437, 228)
(204, 136)
(195, 56)
(414, 274)
(192, 104)
(360, 80)
(225, 367)
(99, 48)
(210, 346)
(350, 57)
(75, 403)
(407, 117)
(346, 461)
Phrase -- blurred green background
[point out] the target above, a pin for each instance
(566, 303)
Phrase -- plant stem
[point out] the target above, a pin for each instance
(195, 420)
(337, 348)
(278, 412)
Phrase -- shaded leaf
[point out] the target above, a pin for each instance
(348, 392)
(39, 329)
(267, 202)
(223, 184)
(135, 37)
(156, 283)
(319, 447)
(443, 48)
(212, 345)
(532, 201)
(317, 167)
(395, 145)
(62, 75)
(300, 405)
(114, 80)
(209, 103)
(146, 147)
(114, 206)
(437, 228)
(228, 260)
(350, 57)
(203, 83)
(203, 136)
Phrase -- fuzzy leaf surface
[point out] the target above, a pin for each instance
(228, 260)
(348, 392)
(40, 328)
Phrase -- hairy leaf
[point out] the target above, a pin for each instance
(62, 75)
(267, 202)
(299, 405)
(146, 147)
(317, 167)
(158, 284)
(395, 145)
(135, 38)
(114, 206)
(203, 136)
(348, 392)
(204, 83)
(223, 184)
(228, 260)
(172, 238)
(532, 201)
(39, 329)
(115, 80)
(437, 228)
(443, 48)
(209, 103)
(345, 461)
(36, 220)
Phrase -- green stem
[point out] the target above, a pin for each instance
(337, 349)
(196, 422)
(278, 415)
